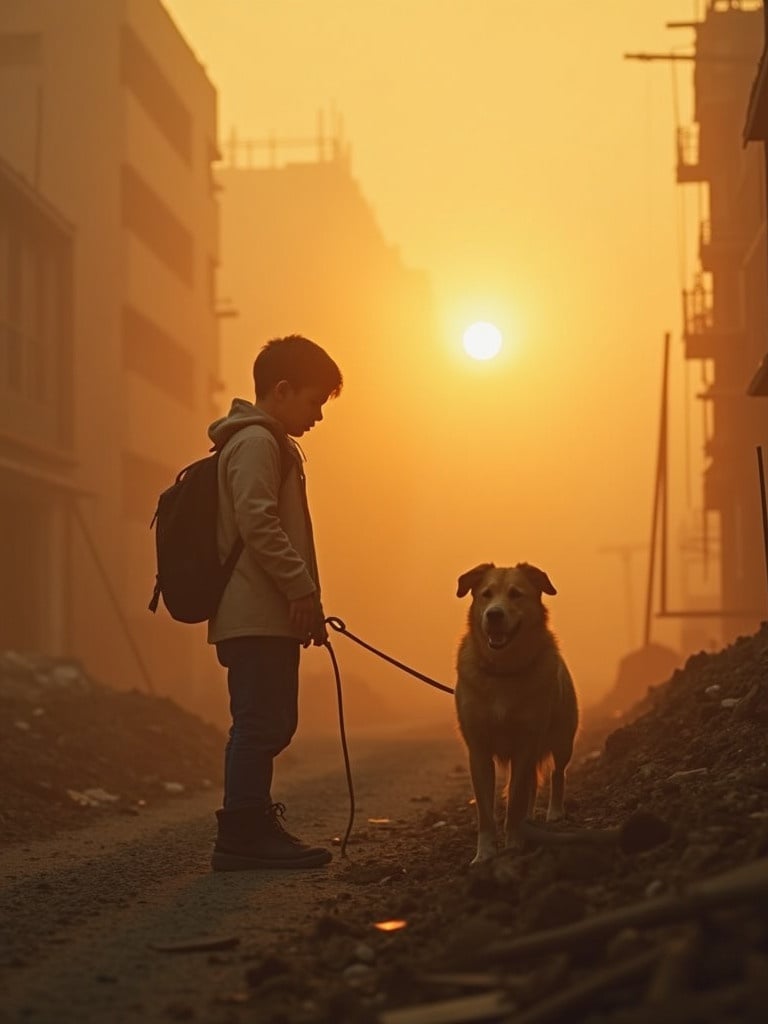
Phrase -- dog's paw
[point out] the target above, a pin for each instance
(555, 814)
(486, 850)
(514, 841)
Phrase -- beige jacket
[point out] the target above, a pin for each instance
(270, 513)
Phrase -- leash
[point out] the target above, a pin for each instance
(339, 626)
(342, 730)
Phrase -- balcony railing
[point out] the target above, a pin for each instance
(688, 153)
(718, 247)
(705, 335)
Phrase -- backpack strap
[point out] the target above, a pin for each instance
(286, 461)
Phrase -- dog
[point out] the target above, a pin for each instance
(515, 699)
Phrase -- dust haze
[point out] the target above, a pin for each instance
(376, 177)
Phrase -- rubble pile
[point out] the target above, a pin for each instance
(649, 903)
(72, 749)
(654, 908)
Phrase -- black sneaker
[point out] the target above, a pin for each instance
(249, 838)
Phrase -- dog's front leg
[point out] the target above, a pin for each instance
(522, 796)
(483, 773)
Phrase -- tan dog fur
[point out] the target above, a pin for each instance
(515, 698)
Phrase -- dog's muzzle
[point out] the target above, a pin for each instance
(497, 628)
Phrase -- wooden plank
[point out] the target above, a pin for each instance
(465, 1010)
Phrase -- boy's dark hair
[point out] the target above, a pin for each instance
(299, 361)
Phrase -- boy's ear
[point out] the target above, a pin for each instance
(281, 389)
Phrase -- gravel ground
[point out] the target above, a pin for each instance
(660, 801)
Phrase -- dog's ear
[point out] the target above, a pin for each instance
(537, 577)
(469, 580)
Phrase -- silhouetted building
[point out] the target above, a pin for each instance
(107, 113)
(725, 309)
(36, 439)
(302, 252)
(756, 129)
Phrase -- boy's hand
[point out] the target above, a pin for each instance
(303, 615)
(319, 633)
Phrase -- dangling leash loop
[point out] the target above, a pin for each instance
(339, 626)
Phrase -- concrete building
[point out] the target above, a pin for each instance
(725, 312)
(36, 417)
(106, 114)
(756, 130)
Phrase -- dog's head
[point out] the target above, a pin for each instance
(505, 601)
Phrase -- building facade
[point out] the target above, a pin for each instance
(724, 308)
(756, 130)
(36, 416)
(108, 116)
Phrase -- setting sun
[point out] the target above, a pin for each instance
(482, 340)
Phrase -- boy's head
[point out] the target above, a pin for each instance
(294, 378)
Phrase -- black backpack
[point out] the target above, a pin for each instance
(190, 576)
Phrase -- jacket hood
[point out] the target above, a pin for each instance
(241, 414)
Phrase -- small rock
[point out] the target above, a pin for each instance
(356, 973)
(626, 943)
(643, 831)
(173, 787)
(691, 773)
(713, 690)
(270, 967)
(654, 888)
(22, 725)
(729, 702)
(558, 905)
(364, 954)
(100, 796)
(180, 1011)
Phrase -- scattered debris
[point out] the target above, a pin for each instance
(209, 944)
(81, 744)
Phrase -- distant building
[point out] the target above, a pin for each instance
(108, 116)
(726, 307)
(756, 129)
(36, 417)
(302, 252)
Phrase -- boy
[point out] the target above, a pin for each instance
(271, 604)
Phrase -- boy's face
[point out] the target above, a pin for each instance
(298, 409)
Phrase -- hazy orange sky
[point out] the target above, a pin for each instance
(510, 151)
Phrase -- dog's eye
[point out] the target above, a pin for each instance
(514, 592)
(485, 594)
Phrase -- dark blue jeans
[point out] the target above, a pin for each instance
(263, 679)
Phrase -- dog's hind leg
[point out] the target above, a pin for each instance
(533, 788)
(556, 810)
(483, 773)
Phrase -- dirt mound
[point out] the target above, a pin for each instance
(636, 920)
(72, 749)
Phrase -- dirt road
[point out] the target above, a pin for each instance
(82, 913)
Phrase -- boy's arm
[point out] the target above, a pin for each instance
(254, 478)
